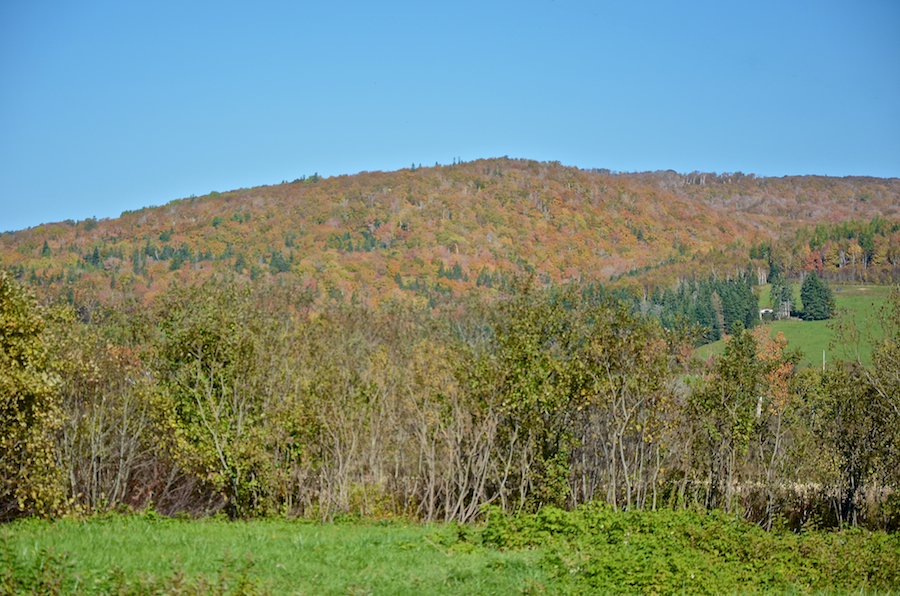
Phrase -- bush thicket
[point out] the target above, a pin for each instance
(238, 396)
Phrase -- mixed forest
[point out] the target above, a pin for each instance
(435, 341)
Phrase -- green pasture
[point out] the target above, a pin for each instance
(861, 303)
(593, 550)
(287, 557)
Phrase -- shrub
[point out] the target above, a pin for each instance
(28, 406)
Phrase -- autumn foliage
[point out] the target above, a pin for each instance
(248, 398)
(425, 343)
(418, 235)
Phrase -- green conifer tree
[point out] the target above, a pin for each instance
(818, 302)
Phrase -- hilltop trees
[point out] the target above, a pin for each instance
(375, 233)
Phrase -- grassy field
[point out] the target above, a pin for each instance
(813, 337)
(289, 557)
(592, 550)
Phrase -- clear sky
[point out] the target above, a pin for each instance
(111, 105)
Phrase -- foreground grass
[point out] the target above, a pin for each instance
(589, 551)
(814, 337)
(288, 557)
(597, 550)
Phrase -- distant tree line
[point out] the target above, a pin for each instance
(848, 251)
(713, 304)
(242, 397)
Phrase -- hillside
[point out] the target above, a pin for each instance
(453, 228)
(367, 345)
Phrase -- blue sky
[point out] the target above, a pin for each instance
(107, 106)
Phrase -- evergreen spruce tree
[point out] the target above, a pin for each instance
(177, 261)
(240, 263)
(278, 264)
(818, 302)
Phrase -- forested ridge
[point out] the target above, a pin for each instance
(430, 231)
(428, 342)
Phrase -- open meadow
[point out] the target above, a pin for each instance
(861, 302)
(286, 557)
(591, 550)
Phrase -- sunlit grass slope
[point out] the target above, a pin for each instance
(861, 302)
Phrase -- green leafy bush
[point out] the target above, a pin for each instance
(29, 480)
(595, 548)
